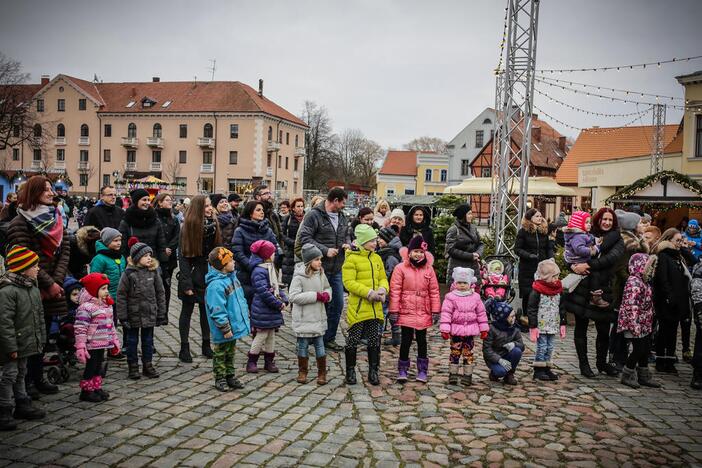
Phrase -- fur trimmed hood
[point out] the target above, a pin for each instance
(154, 264)
(529, 226)
(85, 237)
(664, 245)
(634, 243)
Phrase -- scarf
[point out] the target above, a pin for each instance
(465, 293)
(549, 289)
(19, 279)
(299, 218)
(114, 254)
(140, 219)
(47, 226)
(418, 263)
(272, 277)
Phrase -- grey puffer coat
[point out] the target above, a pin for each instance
(141, 298)
(22, 328)
(309, 317)
(317, 229)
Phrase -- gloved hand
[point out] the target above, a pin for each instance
(483, 335)
(445, 335)
(563, 331)
(323, 297)
(55, 290)
(82, 355)
(509, 346)
(373, 296)
(435, 318)
(382, 294)
(533, 334)
(506, 364)
(116, 344)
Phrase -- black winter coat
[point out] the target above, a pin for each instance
(671, 284)
(578, 302)
(145, 226)
(462, 241)
(317, 229)
(493, 346)
(141, 297)
(192, 270)
(227, 225)
(82, 250)
(103, 215)
(411, 229)
(171, 233)
(531, 246)
(247, 233)
(290, 228)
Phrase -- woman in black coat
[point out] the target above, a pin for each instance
(671, 297)
(163, 204)
(463, 245)
(199, 235)
(606, 227)
(290, 226)
(141, 221)
(418, 222)
(225, 218)
(531, 246)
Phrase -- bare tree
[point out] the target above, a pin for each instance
(427, 143)
(171, 170)
(346, 149)
(318, 142)
(367, 163)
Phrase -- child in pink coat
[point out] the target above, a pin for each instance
(463, 317)
(414, 298)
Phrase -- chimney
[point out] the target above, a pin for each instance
(534, 117)
(536, 133)
(155, 79)
(562, 144)
(133, 91)
(260, 87)
(44, 80)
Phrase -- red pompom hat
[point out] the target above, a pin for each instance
(93, 282)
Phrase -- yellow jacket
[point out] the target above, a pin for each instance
(363, 271)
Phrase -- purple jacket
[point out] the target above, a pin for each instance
(577, 245)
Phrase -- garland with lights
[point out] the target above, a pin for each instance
(682, 179)
(605, 88)
(157, 185)
(658, 63)
(498, 69)
(578, 109)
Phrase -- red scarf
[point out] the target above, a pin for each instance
(549, 289)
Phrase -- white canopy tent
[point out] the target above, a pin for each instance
(537, 186)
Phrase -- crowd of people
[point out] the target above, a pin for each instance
(108, 285)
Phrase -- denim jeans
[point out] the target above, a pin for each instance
(147, 344)
(544, 347)
(335, 306)
(304, 343)
(12, 381)
(513, 357)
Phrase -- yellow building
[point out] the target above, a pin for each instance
(412, 173)
(692, 125)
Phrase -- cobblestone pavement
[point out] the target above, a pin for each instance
(179, 419)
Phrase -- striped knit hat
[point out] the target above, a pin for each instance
(20, 258)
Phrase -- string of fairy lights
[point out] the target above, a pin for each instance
(605, 88)
(498, 69)
(633, 66)
(588, 112)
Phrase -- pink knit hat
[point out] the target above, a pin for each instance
(263, 249)
(578, 219)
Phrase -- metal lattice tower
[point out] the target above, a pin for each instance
(499, 89)
(514, 114)
(658, 138)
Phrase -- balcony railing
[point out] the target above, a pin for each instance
(130, 142)
(155, 166)
(84, 141)
(206, 142)
(269, 171)
(131, 166)
(273, 146)
(208, 168)
(83, 165)
(36, 165)
(60, 141)
(156, 142)
(300, 151)
(59, 166)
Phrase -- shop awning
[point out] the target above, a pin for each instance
(537, 186)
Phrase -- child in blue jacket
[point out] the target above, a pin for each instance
(227, 315)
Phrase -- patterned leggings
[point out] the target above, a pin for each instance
(371, 330)
(461, 345)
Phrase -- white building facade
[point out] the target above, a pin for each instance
(465, 146)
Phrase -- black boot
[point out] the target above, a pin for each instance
(133, 371)
(696, 382)
(45, 387)
(7, 422)
(603, 367)
(32, 390)
(206, 350)
(581, 350)
(373, 366)
(234, 383)
(350, 354)
(150, 371)
(184, 354)
(25, 410)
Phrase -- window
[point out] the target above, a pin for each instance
(131, 156)
(108, 130)
(37, 130)
(390, 192)
(60, 130)
(182, 157)
(106, 155)
(234, 131)
(286, 162)
(698, 136)
(37, 155)
(295, 164)
(61, 105)
(237, 185)
(268, 160)
(182, 185)
(207, 131)
(280, 136)
(287, 138)
(297, 141)
(280, 161)
(184, 130)
(479, 138)
(83, 180)
(207, 157)
(157, 130)
(270, 134)
(444, 175)
(130, 104)
(131, 131)
(427, 175)
(40, 105)
(60, 154)
(465, 167)
(487, 122)
(156, 156)
(15, 154)
(16, 131)
(83, 155)
(486, 172)
(82, 104)
(105, 179)
(84, 130)
(207, 185)
(233, 157)
(409, 191)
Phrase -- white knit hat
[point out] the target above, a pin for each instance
(463, 275)
(397, 213)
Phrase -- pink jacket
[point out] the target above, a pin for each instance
(463, 315)
(94, 328)
(414, 293)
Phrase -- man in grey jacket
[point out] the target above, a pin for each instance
(325, 227)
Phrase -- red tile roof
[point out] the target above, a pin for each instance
(601, 144)
(402, 163)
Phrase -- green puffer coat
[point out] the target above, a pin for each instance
(362, 271)
(111, 263)
(22, 328)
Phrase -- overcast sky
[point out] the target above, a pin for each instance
(395, 69)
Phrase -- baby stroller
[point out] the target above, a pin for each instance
(61, 355)
(496, 273)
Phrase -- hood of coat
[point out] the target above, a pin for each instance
(643, 266)
(301, 270)
(154, 264)
(634, 243)
(254, 226)
(667, 246)
(216, 275)
(404, 253)
(409, 222)
(86, 238)
(85, 296)
(528, 226)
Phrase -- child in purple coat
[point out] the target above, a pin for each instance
(580, 247)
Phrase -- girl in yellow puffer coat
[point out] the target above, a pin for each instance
(364, 278)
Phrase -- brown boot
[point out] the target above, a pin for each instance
(302, 364)
(322, 370)
(597, 301)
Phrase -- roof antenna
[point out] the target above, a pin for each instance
(212, 68)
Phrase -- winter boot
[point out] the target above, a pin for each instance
(422, 369)
(269, 363)
(234, 383)
(373, 366)
(350, 355)
(661, 363)
(540, 374)
(696, 382)
(302, 366)
(97, 388)
(149, 371)
(670, 366)
(207, 350)
(403, 368)
(252, 364)
(25, 410)
(453, 374)
(629, 378)
(184, 354)
(581, 350)
(133, 371)
(45, 387)
(493, 378)
(551, 375)
(597, 301)
(604, 367)
(395, 337)
(645, 378)
(467, 377)
(7, 422)
(221, 385)
(510, 379)
(322, 370)
(31, 390)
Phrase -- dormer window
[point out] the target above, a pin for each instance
(147, 103)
